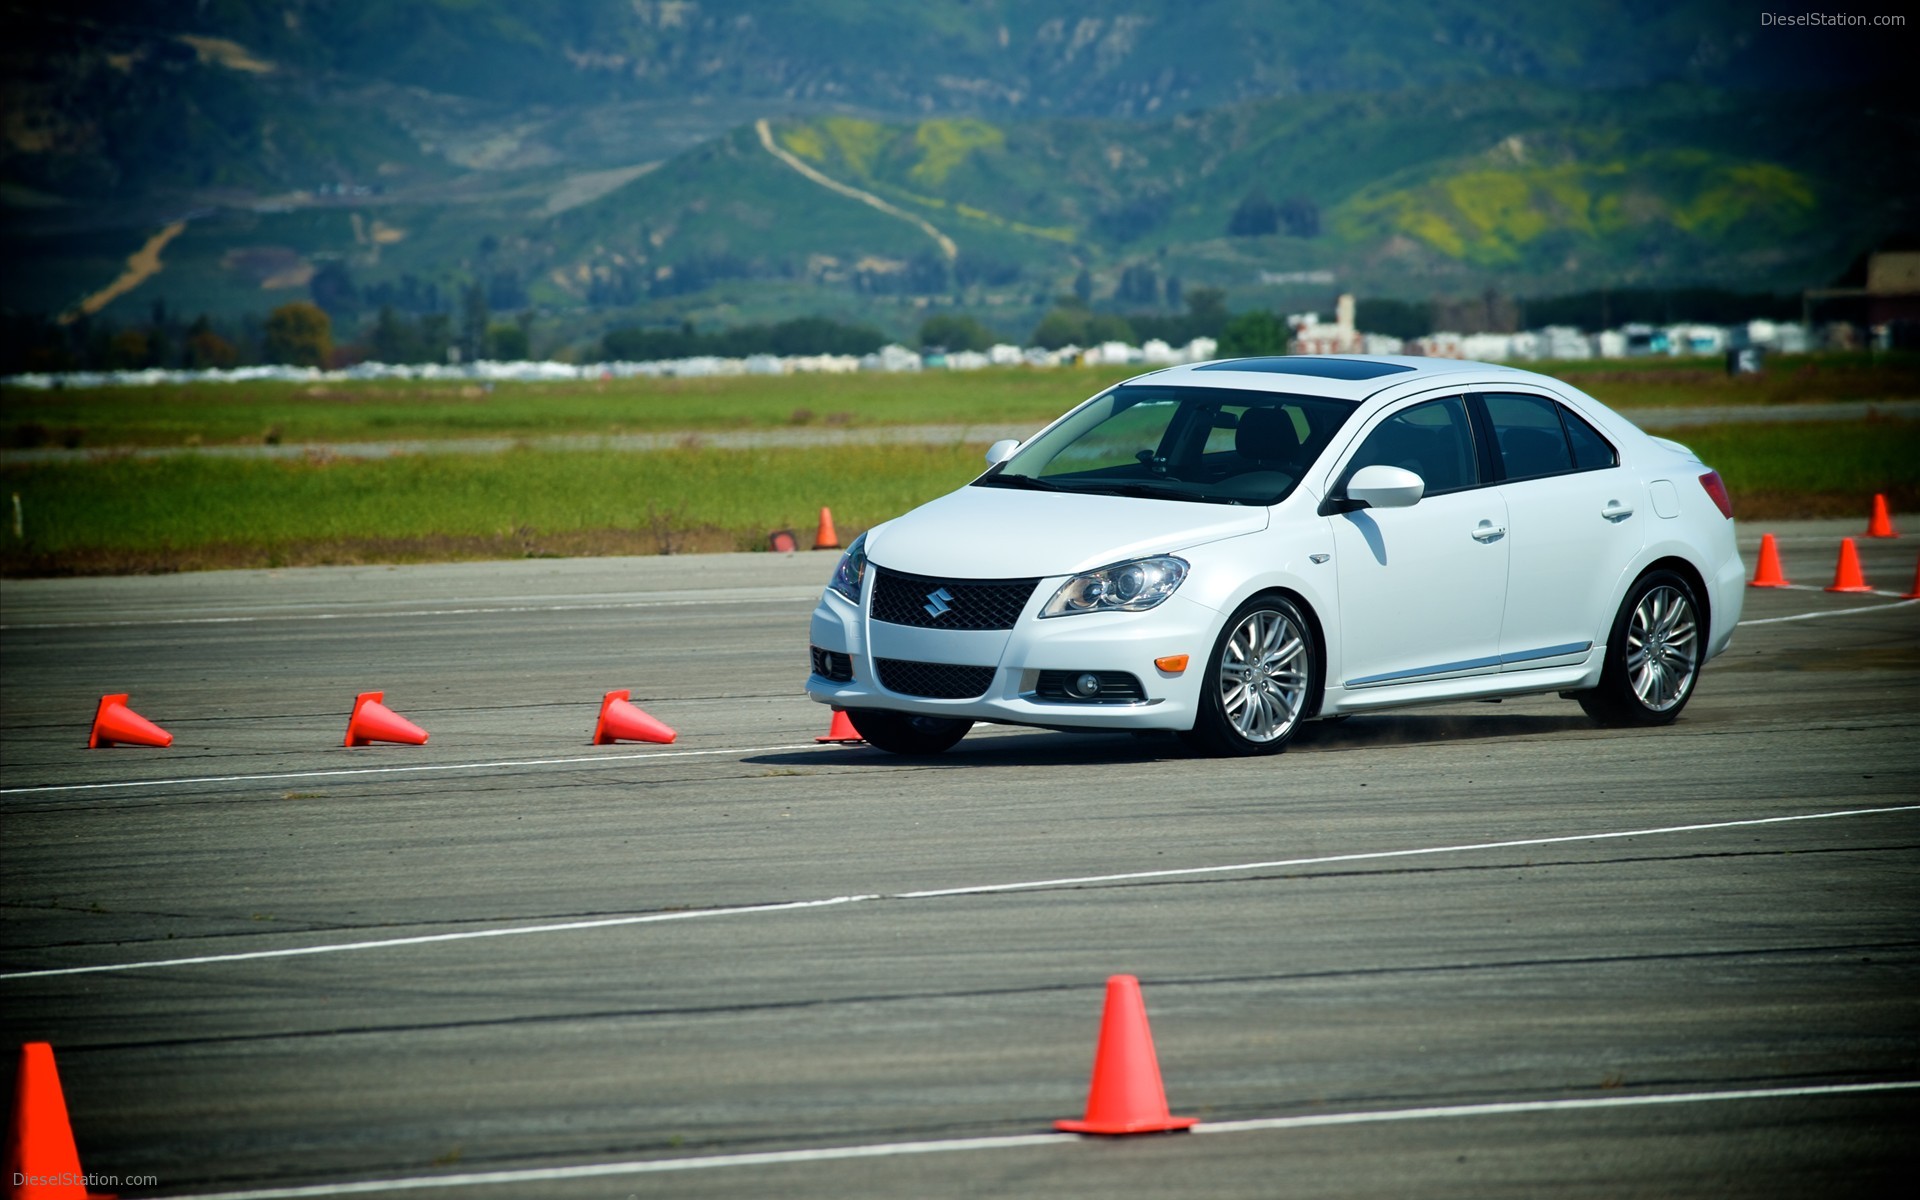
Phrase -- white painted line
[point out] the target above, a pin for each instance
(1831, 612)
(937, 894)
(347, 772)
(397, 614)
(463, 936)
(1377, 855)
(774, 1158)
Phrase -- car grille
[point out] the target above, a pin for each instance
(935, 681)
(1114, 686)
(832, 665)
(926, 602)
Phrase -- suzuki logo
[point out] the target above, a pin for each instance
(938, 602)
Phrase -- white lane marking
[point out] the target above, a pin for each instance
(941, 893)
(774, 1158)
(345, 772)
(1831, 612)
(394, 614)
(463, 936)
(1375, 855)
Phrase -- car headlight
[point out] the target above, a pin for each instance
(851, 570)
(1123, 587)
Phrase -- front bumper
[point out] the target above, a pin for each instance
(1011, 662)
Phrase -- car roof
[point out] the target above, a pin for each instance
(1339, 376)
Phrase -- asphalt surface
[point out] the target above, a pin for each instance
(1466, 951)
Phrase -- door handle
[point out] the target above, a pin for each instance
(1616, 511)
(1487, 531)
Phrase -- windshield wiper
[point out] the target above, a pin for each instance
(1148, 491)
(1021, 481)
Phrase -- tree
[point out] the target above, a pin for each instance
(951, 331)
(1253, 333)
(1083, 286)
(300, 334)
(474, 318)
(205, 348)
(1207, 308)
(507, 343)
(1301, 217)
(1255, 216)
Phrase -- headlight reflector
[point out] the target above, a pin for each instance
(851, 570)
(1123, 587)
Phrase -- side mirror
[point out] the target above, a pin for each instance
(1002, 450)
(1381, 486)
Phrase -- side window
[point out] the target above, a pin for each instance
(1431, 439)
(1527, 431)
(1591, 452)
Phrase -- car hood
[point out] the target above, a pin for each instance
(1001, 533)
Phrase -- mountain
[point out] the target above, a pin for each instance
(719, 159)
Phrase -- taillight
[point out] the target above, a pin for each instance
(1718, 491)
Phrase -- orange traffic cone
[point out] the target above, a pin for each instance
(1880, 524)
(1846, 572)
(826, 538)
(1915, 593)
(841, 731)
(1766, 573)
(42, 1161)
(373, 721)
(116, 724)
(620, 721)
(1126, 1096)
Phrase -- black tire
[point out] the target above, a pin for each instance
(1654, 654)
(907, 733)
(1262, 680)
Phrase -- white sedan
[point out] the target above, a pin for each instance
(1228, 549)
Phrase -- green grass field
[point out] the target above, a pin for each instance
(193, 513)
(233, 414)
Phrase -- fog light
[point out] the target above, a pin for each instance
(1085, 685)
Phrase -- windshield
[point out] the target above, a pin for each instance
(1202, 445)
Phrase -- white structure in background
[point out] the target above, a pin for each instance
(1311, 337)
(891, 357)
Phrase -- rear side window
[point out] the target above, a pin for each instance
(1433, 440)
(1537, 437)
(1591, 452)
(1527, 431)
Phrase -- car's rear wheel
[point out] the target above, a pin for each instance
(907, 733)
(1654, 654)
(1261, 679)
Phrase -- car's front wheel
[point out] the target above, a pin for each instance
(1261, 678)
(1654, 654)
(907, 733)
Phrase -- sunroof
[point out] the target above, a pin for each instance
(1307, 364)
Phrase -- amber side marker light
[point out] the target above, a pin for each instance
(1172, 664)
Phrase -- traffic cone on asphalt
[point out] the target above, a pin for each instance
(1915, 593)
(373, 721)
(40, 1139)
(1766, 573)
(1880, 524)
(114, 724)
(1846, 573)
(621, 721)
(840, 730)
(826, 538)
(1126, 1095)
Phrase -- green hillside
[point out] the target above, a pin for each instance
(605, 163)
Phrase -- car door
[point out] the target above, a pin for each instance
(1422, 587)
(1574, 524)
